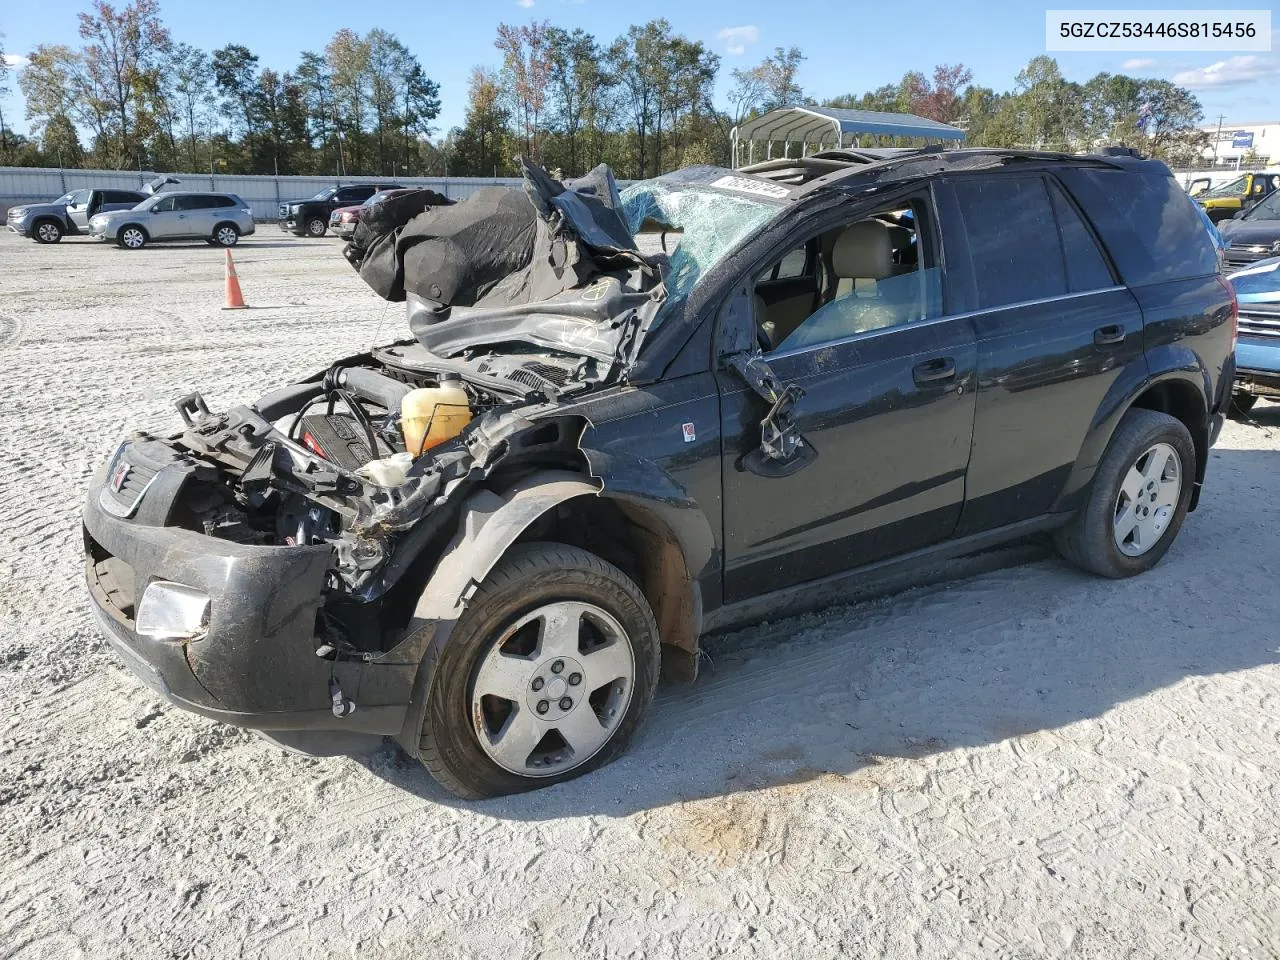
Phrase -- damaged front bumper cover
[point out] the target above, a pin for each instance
(258, 663)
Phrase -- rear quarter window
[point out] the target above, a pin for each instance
(1147, 223)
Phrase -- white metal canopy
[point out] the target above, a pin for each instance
(829, 127)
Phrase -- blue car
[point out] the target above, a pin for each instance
(1258, 350)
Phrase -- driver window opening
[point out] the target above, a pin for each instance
(856, 278)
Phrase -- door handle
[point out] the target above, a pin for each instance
(931, 371)
(1112, 333)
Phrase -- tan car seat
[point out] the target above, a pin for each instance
(861, 258)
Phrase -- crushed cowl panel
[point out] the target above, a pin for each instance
(554, 266)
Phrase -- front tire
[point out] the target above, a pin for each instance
(1138, 499)
(47, 231)
(547, 675)
(131, 237)
(226, 235)
(316, 227)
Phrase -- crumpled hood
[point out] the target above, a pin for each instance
(553, 266)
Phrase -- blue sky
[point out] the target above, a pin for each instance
(850, 48)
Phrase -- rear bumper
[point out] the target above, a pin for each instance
(257, 666)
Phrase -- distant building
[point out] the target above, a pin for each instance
(1239, 143)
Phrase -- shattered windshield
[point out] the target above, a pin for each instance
(1232, 189)
(711, 222)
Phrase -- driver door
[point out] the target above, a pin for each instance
(886, 418)
(78, 209)
(165, 220)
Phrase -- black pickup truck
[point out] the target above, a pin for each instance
(310, 218)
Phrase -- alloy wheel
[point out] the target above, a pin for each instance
(132, 238)
(553, 689)
(227, 236)
(316, 228)
(1147, 500)
(48, 233)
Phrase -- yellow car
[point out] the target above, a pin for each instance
(1224, 202)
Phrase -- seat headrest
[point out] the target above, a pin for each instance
(863, 252)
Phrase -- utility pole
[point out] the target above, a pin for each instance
(1217, 139)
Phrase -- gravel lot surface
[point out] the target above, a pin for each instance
(1027, 763)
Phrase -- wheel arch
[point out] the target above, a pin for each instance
(637, 533)
(225, 223)
(133, 223)
(48, 218)
(1179, 392)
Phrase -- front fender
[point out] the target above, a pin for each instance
(489, 524)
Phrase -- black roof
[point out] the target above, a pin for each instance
(856, 168)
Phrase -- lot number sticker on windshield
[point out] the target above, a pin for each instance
(743, 185)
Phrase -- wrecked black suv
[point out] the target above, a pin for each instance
(623, 421)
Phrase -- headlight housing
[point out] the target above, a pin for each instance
(173, 611)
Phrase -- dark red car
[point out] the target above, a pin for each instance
(343, 220)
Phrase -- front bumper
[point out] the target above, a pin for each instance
(1258, 365)
(257, 666)
(21, 227)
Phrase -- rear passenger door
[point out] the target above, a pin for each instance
(1054, 329)
(119, 200)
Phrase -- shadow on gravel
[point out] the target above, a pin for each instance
(853, 693)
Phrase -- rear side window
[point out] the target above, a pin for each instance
(1012, 240)
(1149, 226)
(195, 202)
(1086, 266)
(221, 202)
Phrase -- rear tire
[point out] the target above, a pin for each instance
(316, 227)
(506, 641)
(1241, 404)
(47, 231)
(1148, 451)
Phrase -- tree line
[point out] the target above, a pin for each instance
(132, 97)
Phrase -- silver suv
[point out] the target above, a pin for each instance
(218, 218)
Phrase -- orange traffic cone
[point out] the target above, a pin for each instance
(235, 299)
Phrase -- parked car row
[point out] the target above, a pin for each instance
(134, 218)
(313, 217)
